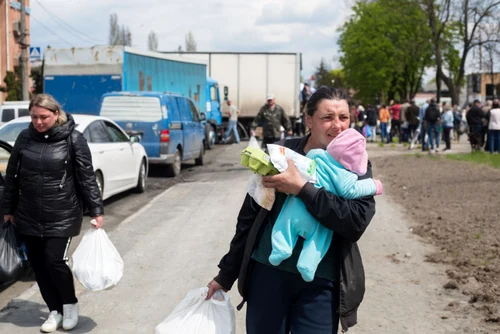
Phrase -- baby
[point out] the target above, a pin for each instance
(337, 171)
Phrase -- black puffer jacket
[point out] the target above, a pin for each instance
(53, 182)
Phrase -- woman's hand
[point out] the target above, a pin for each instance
(7, 218)
(288, 182)
(98, 221)
(212, 287)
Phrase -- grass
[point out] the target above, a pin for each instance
(483, 158)
(380, 144)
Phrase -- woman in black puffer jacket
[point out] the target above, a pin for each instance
(50, 178)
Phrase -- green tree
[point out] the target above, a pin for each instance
(457, 28)
(13, 85)
(37, 76)
(385, 49)
(328, 77)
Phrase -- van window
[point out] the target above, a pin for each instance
(132, 108)
(23, 112)
(184, 110)
(173, 110)
(194, 111)
(7, 115)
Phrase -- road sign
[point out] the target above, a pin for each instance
(35, 54)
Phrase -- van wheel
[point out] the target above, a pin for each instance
(175, 168)
(209, 137)
(200, 160)
(141, 180)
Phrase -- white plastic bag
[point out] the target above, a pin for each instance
(253, 142)
(195, 315)
(305, 166)
(263, 196)
(96, 263)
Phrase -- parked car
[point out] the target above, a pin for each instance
(170, 125)
(10, 110)
(120, 161)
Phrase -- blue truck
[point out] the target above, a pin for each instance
(79, 77)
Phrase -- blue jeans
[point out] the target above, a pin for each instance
(433, 129)
(232, 126)
(494, 140)
(280, 302)
(383, 132)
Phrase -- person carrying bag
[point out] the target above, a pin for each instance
(47, 184)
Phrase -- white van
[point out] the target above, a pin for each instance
(13, 109)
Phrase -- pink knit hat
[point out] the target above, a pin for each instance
(349, 149)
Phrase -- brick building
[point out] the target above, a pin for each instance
(10, 51)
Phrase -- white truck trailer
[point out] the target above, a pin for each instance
(246, 77)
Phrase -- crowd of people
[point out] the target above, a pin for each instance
(430, 123)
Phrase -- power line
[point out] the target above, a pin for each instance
(62, 23)
(50, 30)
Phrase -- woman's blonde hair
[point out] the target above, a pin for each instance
(48, 102)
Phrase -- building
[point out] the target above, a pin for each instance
(483, 86)
(10, 50)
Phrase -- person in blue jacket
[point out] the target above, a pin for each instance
(337, 171)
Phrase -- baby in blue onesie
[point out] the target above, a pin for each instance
(337, 171)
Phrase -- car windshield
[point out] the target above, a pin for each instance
(10, 131)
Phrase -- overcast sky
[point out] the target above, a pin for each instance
(304, 26)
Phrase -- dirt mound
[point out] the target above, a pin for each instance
(456, 207)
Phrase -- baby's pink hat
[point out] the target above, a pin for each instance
(349, 149)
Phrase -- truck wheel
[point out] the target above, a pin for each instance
(175, 168)
(200, 160)
(209, 137)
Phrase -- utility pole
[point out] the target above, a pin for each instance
(24, 53)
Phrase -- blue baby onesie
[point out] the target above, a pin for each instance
(294, 220)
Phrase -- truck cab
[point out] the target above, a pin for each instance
(213, 111)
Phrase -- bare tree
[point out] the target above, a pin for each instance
(118, 35)
(464, 17)
(152, 41)
(190, 42)
(114, 30)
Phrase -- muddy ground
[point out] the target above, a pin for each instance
(454, 206)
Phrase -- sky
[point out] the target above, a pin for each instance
(300, 26)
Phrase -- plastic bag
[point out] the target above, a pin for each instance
(96, 263)
(253, 142)
(195, 315)
(305, 166)
(12, 255)
(263, 196)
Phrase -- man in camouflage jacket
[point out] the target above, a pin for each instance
(271, 117)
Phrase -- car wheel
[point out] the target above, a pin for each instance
(175, 168)
(200, 160)
(100, 183)
(209, 137)
(141, 181)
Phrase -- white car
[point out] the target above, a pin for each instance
(120, 162)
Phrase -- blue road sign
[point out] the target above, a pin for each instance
(35, 54)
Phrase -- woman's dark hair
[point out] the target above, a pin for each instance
(383, 106)
(326, 93)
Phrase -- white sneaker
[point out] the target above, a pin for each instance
(52, 323)
(70, 316)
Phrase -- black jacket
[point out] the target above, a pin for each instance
(371, 116)
(432, 114)
(48, 182)
(475, 116)
(347, 218)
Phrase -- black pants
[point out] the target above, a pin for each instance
(447, 139)
(280, 302)
(396, 129)
(47, 256)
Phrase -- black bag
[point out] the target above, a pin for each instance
(12, 254)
